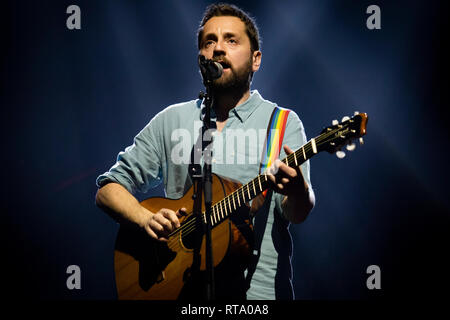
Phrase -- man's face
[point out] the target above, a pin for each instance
(225, 40)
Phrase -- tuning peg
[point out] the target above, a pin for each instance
(345, 118)
(356, 113)
(340, 154)
(351, 147)
(334, 122)
(361, 140)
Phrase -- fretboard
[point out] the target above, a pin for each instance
(222, 209)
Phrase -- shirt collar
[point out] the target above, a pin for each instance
(241, 111)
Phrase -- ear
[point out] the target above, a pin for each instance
(256, 60)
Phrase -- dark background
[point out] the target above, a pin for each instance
(72, 99)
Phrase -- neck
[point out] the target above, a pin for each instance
(225, 101)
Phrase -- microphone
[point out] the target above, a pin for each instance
(210, 70)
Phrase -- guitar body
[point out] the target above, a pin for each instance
(149, 269)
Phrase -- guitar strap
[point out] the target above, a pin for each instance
(274, 139)
(271, 151)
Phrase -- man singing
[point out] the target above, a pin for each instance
(226, 35)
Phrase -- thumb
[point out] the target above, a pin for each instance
(181, 212)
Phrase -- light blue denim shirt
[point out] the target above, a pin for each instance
(161, 153)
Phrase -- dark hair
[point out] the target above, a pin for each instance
(225, 9)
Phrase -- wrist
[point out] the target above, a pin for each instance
(142, 215)
(296, 207)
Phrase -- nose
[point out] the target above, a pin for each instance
(219, 49)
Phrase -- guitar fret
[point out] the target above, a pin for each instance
(259, 181)
(225, 210)
(225, 207)
(217, 214)
(220, 206)
(224, 203)
(286, 161)
(295, 158)
(248, 189)
(304, 155)
(234, 203)
(313, 144)
(213, 218)
(239, 200)
(229, 203)
(254, 188)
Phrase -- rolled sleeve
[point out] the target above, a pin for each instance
(138, 167)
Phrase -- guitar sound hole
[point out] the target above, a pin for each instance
(190, 234)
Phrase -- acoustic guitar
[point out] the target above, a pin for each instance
(149, 269)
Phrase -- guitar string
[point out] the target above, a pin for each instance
(226, 203)
(190, 226)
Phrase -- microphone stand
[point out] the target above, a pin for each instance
(204, 179)
(202, 182)
(208, 100)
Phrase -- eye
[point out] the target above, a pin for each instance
(208, 43)
(232, 41)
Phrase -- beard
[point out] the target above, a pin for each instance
(234, 80)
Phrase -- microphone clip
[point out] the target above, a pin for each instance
(209, 69)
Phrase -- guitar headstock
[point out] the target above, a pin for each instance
(338, 135)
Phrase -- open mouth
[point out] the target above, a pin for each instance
(224, 64)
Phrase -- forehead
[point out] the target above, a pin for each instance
(224, 24)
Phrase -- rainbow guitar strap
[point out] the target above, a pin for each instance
(271, 151)
(274, 139)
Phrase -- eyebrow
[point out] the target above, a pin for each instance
(212, 36)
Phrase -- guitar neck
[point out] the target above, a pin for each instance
(222, 209)
(331, 139)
